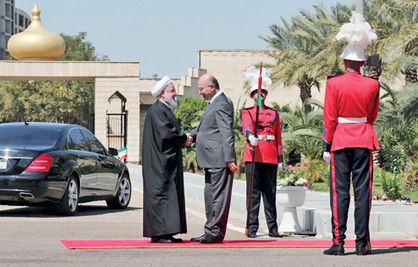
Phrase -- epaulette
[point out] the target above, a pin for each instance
(248, 108)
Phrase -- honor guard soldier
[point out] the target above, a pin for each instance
(350, 109)
(266, 140)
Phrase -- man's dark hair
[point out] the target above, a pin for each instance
(214, 82)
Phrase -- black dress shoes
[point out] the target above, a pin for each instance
(252, 235)
(207, 239)
(197, 239)
(166, 239)
(363, 250)
(274, 234)
(176, 240)
(335, 250)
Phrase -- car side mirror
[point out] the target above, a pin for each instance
(113, 151)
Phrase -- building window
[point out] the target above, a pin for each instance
(9, 13)
(21, 21)
(9, 28)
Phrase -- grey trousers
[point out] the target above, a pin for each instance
(218, 190)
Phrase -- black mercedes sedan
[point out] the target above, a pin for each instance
(59, 164)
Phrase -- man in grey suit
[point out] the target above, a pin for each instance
(216, 154)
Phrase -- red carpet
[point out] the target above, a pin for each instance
(123, 244)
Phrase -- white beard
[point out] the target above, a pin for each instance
(172, 101)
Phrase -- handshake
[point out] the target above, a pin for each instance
(189, 140)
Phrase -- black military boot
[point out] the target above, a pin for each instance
(363, 250)
(335, 250)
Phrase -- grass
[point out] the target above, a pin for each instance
(319, 187)
(413, 196)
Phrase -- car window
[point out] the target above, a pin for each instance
(95, 145)
(76, 141)
(28, 136)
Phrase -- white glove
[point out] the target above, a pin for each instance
(327, 157)
(253, 140)
(279, 166)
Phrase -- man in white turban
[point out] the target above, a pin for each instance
(162, 168)
(350, 109)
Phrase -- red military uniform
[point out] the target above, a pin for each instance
(269, 149)
(351, 96)
(268, 154)
(350, 109)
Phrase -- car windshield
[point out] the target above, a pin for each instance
(28, 136)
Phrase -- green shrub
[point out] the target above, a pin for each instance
(316, 170)
(239, 150)
(188, 113)
(189, 160)
(410, 177)
(397, 145)
(391, 185)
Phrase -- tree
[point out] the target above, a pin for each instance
(303, 42)
(79, 49)
(306, 50)
(188, 113)
(397, 128)
(395, 22)
(302, 129)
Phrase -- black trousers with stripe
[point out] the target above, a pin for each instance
(357, 163)
(264, 185)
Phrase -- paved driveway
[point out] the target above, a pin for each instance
(31, 237)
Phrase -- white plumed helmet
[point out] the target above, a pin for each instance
(359, 35)
(251, 74)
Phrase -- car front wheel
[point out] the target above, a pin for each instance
(69, 203)
(123, 196)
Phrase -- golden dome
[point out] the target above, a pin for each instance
(36, 43)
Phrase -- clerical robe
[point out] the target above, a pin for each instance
(162, 172)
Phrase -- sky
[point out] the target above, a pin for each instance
(163, 35)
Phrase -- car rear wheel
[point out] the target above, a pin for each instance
(123, 196)
(69, 203)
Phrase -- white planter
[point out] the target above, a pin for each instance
(290, 197)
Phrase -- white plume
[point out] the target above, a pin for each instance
(251, 75)
(358, 32)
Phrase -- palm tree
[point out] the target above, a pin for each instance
(305, 48)
(303, 133)
(398, 108)
(302, 129)
(397, 127)
(395, 22)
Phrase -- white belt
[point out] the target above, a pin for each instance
(352, 120)
(266, 137)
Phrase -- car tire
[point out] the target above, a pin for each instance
(123, 196)
(69, 202)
